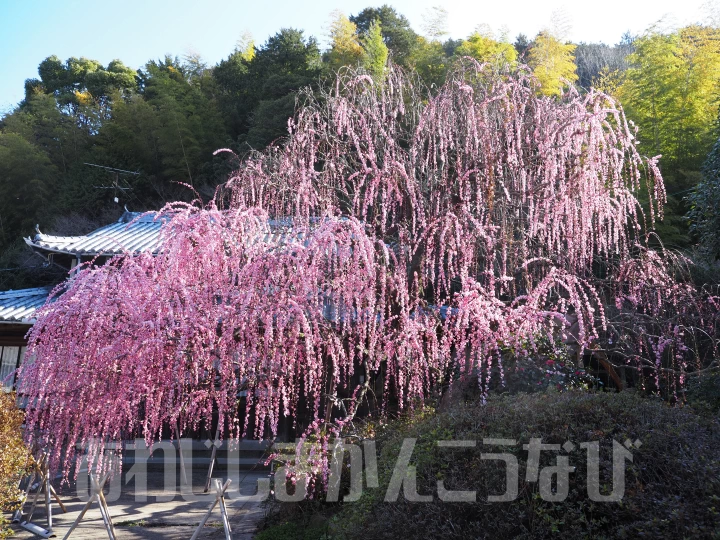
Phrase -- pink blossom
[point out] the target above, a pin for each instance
(393, 237)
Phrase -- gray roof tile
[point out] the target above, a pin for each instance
(136, 233)
(20, 306)
(125, 235)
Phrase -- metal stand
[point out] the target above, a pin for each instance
(220, 490)
(96, 495)
(41, 471)
(213, 455)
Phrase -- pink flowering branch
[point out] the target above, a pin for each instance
(394, 236)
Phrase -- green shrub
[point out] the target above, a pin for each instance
(703, 393)
(672, 486)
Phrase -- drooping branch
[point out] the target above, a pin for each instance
(411, 239)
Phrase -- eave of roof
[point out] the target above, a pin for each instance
(137, 233)
(19, 306)
(133, 232)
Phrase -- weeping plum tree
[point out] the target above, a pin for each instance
(393, 242)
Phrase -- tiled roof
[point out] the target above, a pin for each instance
(20, 306)
(141, 235)
(136, 232)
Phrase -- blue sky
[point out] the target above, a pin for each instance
(136, 31)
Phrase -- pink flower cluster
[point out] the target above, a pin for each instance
(394, 240)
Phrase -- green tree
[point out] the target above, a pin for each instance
(345, 48)
(486, 49)
(704, 202)
(287, 53)
(80, 83)
(171, 133)
(245, 45)
(670, 91)
(430, 57)
(397, 34)
(257, 93)
(39, 120)
(431, 60)
(286, 63)
(235, 94)
(595, 61)
(376, 52)
(61, 121)
(27, 182)
(552, 62)
(522, 44)
(132, 139)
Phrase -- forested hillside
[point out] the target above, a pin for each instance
(164, 120)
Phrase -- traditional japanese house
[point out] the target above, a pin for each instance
(17, 308)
